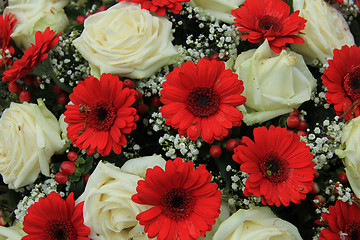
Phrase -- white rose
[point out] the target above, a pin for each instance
(36, 15)
(220, 9)
(126, 40)
(325, 30)
(259, 223)
(108, 208)
(29, 136)
(274, 83)
(138, 166)
(14, 232)
(351, 154)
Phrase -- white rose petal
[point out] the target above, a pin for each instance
(351, 154)
(29, 136)
(274, 83)
(325, 30)
(258, 223)
(36, 15)
(14, 232)
(138, 166)
(108, 208)
(126, 40)
(220, 9)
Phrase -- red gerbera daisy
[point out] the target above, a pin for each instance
(342, 81)
(54, 218)
(35, 54)
(280, 166)
(159, 6)
(100, 114)
(185, 203)
(7, 24)
(269, 20)
(343, 220)
(202, 99)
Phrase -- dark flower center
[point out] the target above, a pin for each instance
(352, 231)
(267, 23)
(60, 229)
(274, 167)
(102, 116)
(352, 82)
(177, 203)
(203, 101)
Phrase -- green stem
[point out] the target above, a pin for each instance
(65, 87)
(45, 68)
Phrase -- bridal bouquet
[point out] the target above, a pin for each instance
(179, 119)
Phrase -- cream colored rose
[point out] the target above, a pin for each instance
(325, 30)
(138, 166)
(126, 40)
(259, 223)
(351, 154)
(29, 136)
(36, 15)
(108, 208)
(274, 83)
(220, 9)
(14, 232)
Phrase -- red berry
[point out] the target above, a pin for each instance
(315, 189)
(318, 201)
(129, 84)
(61, 178)
(316, 175)
(80, 19)
(57, 89)
(215, 56)
(68, 167)
(295, 112)
(301, 133)
(155, 102)
(25, 96)
(62, 99)
(302, 125)
(29, 80)
(88, 15)
(141, 108)
(242, 142)
(72, 156)
(231, 144)
(335, 189)
(293, 121)
(86, 177)
(138, 96)
(342, 177)
(14, 87)
(215, 151)
(102, 8)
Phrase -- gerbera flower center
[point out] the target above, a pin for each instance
(267, 23)
(352, 82)
(177, 203)
(102, 116)
(60, 229)
(352, 231)
(274, 167)
(203, 101)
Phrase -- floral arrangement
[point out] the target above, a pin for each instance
(179, 119)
